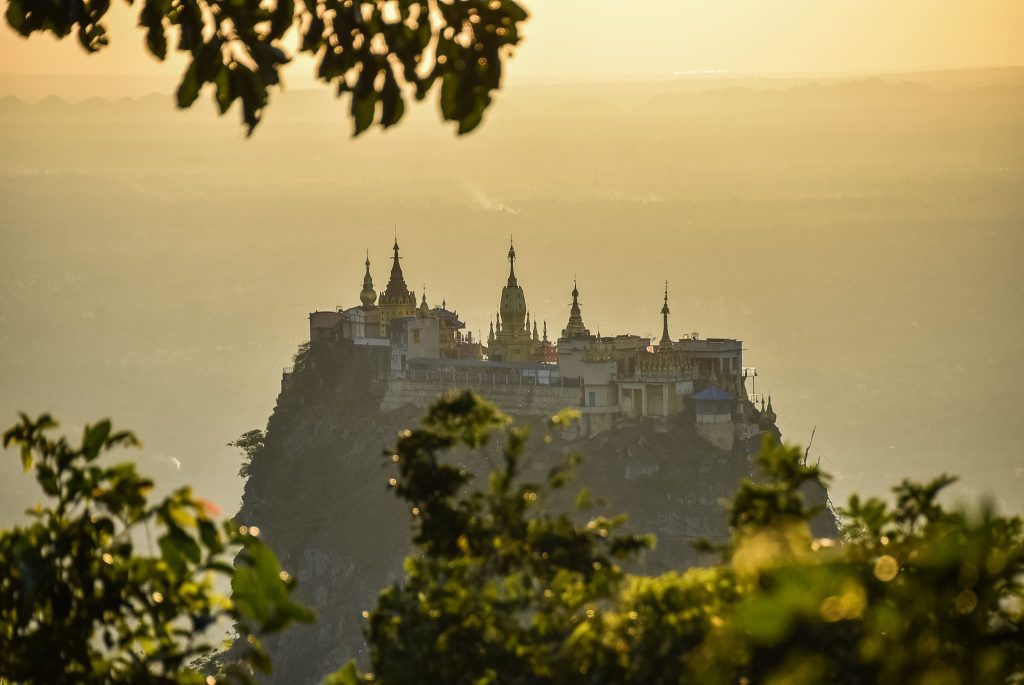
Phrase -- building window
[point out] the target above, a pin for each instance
(416, 335)
(592, 399)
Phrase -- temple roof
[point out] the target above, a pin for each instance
(396, 289)
(712, 394)
(575, 328)
(367, 295)
(512, 306)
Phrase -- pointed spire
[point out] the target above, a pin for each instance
(536, 338)
(527, 320)
(368, 296)
(424, 307)
(396, 287)
(490, 336)
(575, 327)
(545, 338)
(511, 263)
(666, 339)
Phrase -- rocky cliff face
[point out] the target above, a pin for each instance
(318, 492)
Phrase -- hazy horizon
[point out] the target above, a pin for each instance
(860, 236)
(72, 88)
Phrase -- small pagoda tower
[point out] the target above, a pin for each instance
(575, 327)
(397, 300)
(368, 296)
(512, 337)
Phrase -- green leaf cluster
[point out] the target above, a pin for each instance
(496, 587)
(377, 51)
(106, 586)
(251, 443)
(499, 590)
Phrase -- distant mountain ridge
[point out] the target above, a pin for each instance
(76, 88)
(612, 102)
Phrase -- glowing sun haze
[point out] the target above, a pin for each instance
(618, 38)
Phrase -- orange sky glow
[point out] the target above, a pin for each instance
(612, 39)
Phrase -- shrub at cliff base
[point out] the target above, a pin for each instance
(80, 603)
(500, 591)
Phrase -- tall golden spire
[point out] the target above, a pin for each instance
(575, 328)
(396, 290)
(424, 307)
(512, 306)
(666, 339)
(511, 263)
(368, 296)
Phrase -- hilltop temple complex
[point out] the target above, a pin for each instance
(609, 379)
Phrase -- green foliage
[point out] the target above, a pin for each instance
(301, 357)
(80, 603)
(495, 586)
(498, 590)
(376, 50)
(251, 443)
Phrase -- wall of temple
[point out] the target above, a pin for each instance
(720, 434)
(518, 400)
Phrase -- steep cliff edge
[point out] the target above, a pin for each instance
(318, 492)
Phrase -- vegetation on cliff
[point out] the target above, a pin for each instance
(499, 590)
(317, 490)
(505, 584)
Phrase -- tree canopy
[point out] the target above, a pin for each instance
(377, 51)
(499, 589)
(104, 586)
(504, 587)
(251, 443)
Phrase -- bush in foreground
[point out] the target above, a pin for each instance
(80, 602)
(498, 590)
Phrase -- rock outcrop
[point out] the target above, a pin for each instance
(318, 492)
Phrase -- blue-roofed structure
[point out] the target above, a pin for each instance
(713, 394)
(714, 405)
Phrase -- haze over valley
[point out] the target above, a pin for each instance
(861, 235)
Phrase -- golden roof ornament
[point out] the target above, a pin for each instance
(368, 296)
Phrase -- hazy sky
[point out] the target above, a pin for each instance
(898, 206)
(602, 38)
(861, 238)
